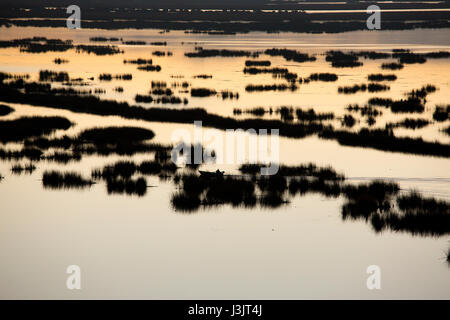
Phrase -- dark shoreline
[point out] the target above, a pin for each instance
(254, 18)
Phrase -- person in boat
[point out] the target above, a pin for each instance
(216, 173)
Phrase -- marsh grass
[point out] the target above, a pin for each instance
(65, 180)
(307, 170)
(327, 77)
(272, 87)
(53, 76)
(382, 139)
(311, 115)
(202, 92)
(19, 168)
(257, 63)
(441, 113)
(209, 53)
(409, 105)
(30, 153)
(126, 169)
(5, 110)
(339, 59)
(366, 110)
(127, 186)
(25, 127)
(348, 121)
(392, 66)
(447, 130)
(290, 55)
(409, 123)
(381, 77)
(371, 87)
(116, 135)
(63, 157)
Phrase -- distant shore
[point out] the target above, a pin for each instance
(328, 18)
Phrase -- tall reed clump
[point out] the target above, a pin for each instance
(5, 110)
(65, 180)
(25, 127)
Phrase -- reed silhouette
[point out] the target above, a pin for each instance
(339, 59)
(109, 77)
(381, 77)
(441, 113)
(94, 105)
(422, 92)
(104, 39)
(208, 53)
(447, 130)
(372, 55)
(409, 57)
(18, 169)
(10, 76)
(371, 87)
(5, 110)
(290, 55)
(254, 70)
(134, 43)
(63, 157)
(53, 76)
(311, 115)
(409, 123)
(375, 101)
(150, 68)
(410, 105)
(138, 61)
(327, 77)
(366, 110)
(162, 53)
(257, 63)
(258, 111)
(270, 87)
(65, 180)
(140, 98)
(185, 202)
(202, 92)
(60, 61)
(127, 186)
(304, 185)
(382, 139)
(307, 170)
(162, 91)
(115, 135)
(25, 127)
(203, 76)
(392, 66)
(212, 191)
(348, 121)
(30, 153)
(126, 169)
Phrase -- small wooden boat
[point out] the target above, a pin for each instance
(211, 174)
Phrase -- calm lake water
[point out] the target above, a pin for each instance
(140, 247)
